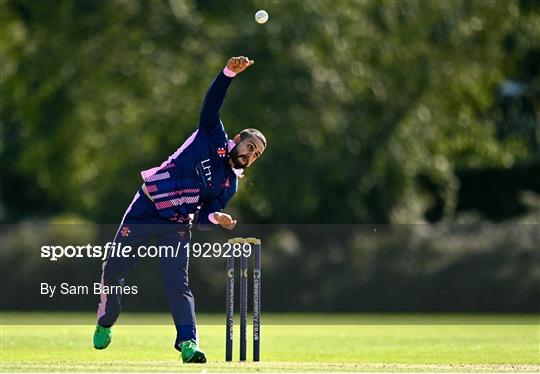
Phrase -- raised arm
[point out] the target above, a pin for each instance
(213, 100)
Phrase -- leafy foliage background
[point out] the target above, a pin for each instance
(372, 109)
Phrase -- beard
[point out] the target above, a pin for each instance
(239, 161)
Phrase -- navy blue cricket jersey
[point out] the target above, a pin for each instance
(197, 177)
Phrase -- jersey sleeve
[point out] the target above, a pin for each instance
(204, 222)
(209, 118)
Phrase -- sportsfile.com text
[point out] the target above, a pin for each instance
(112, 249)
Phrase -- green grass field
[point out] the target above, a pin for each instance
(62, 342)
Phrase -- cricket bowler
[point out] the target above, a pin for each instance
(200, 177)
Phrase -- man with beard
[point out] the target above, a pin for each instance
(200, 177)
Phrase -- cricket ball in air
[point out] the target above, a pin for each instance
(261, 16)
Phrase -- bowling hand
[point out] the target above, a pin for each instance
(225, 220)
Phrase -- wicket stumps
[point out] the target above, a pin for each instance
(255, 245)
(229, 309)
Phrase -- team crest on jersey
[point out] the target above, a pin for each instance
(125, 231)
(221, 152)
(226, 184)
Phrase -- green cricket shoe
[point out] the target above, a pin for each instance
(191, 354)
(102, 337)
